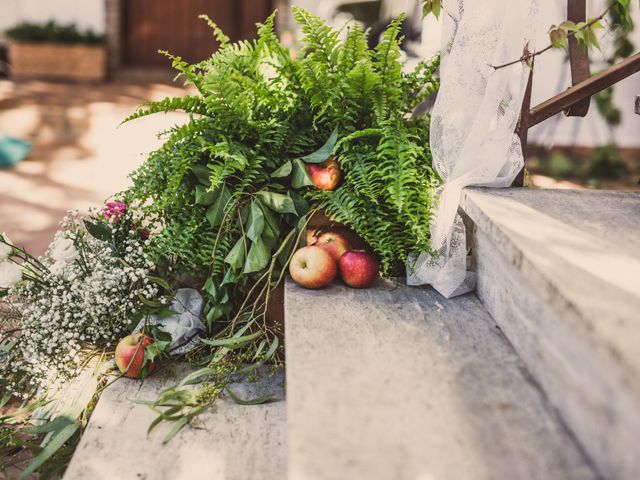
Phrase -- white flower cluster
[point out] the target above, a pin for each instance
(90, 296)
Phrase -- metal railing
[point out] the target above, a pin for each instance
(574, 101)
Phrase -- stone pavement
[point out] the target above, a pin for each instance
(80, 156)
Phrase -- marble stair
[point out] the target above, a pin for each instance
(534, 376)
(559, 271)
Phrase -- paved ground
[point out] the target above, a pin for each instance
(80, 155)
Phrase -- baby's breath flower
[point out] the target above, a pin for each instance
(89, 296)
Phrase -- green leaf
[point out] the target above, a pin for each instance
(99, 230)
(258, 257)
(235, 257)
(197, 376)
(57, 423)
(277, 202)
(204, 196)
(255, 222)
(232, 342)
(230, 276)
(176, 428)
(215, 213)
(202, 173)
(283, 171)
(160, 281)
(300, 176)
(255, 366)
(558, 37)
(271, 227)
(431, 6)
(55, 443)
(324, 152)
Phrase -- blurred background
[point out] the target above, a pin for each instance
(70, 71)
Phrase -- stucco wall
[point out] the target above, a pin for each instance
(85, 13)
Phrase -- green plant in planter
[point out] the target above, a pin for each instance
(53, 32)
(230, 193)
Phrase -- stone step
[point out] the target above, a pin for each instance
(559, 271)
(227, 442)
(395, 382)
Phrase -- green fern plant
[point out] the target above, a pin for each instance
(229, 191)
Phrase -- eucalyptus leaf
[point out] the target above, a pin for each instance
(324, 152)
(215, 213)
(179, 425)
(271, 230)
(197, 377)
(230, 277)
(202, 173)
(300, 177)
(58, 423)
(99, 230)
(204, 196)
(235, 257)
(283, 171)
(278, 202)
(56, 442)
(233, 342)
(258, 257)
(256, 221)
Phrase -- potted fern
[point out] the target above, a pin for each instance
(52, 50)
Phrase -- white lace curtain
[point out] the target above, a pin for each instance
(473, 122)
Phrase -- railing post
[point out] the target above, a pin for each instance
(578, 57)
(522, 130)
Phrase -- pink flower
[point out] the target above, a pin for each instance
(114, 210)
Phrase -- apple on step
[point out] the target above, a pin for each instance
(326, 175)
(130, 355)
(334, 243)
(359, 268)
(312, 267)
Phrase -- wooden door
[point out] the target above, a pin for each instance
(173, 25)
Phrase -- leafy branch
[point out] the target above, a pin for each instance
(559, 35)
(583, 32)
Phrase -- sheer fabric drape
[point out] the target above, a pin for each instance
(473, 123)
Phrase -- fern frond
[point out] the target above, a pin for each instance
(355, 48)
(387, 55)
(218, 34)
(187, 103)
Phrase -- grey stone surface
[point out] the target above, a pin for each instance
(560, 273)
(399, 383)
(227, 442)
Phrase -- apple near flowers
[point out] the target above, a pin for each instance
(130, 355)
(358, 268)
(312, 267)
(326, 175)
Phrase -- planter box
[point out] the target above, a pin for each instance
(83, 63)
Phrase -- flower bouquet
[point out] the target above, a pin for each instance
(222, 207)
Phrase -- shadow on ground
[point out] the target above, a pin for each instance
(80, 154)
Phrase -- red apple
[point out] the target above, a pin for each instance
(325, 175)
(358, 268)
(312, 236)
(130, 355)
(312, 267)
(334, 243)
